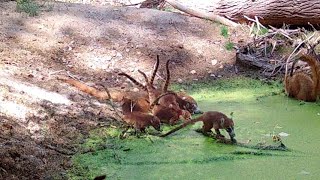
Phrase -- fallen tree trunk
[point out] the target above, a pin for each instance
(271, 12)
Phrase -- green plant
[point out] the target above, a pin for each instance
(229, 45)
(224, 31)
(259, 31)
(28, 6)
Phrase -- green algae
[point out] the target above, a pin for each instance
(259, 109)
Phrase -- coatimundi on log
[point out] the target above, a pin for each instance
(300, 85)
(210, 119)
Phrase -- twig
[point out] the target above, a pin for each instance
(287, 61)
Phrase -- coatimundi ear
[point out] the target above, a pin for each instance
(184, 98)
(222, 122)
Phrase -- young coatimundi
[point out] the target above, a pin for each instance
(300, 85)
(210, 119)
(140, 121)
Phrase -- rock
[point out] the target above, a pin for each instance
(195, 79)
(214, 62)
(108, 58)
(119, 54)
(113, 53)
(193, 72)
(221, 67)
(180, 80)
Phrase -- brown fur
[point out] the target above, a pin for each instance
(184, 100)
(300, 85)
(140, 121)
(210, 119)
(131, 101)
(185, 115)
(168, 110)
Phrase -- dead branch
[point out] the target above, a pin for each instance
(203, 15)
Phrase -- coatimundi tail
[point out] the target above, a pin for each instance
(131, 101)
(210, 119)
(300, 85)
(138, 83)
(140, 121)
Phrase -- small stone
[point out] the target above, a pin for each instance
(180, 80)
(108, 58)
(214, 62)
(135, 90)
(127, 50)
(193, 72)
(119, 54)
(195, 79)
(221, 67)
(113, 53)
(219, 76)
(138, 52)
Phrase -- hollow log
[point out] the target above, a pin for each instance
(271, 12)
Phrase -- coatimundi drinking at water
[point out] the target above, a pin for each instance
(211, 119)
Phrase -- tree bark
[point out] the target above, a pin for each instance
(271, 12)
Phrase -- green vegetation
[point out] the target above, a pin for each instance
(229, 45)
(224, 31)
(260, 110)
(259, 31)
(28, 6)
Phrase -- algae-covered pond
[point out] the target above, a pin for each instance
(259, 110)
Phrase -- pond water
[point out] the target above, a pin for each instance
(259, 111)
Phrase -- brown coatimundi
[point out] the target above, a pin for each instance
(300, 85)
(210, 119)
(166, 109)
(140, 121)
(185, 101)
(130, 101)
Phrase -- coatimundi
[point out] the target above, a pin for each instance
(140, 121)
(210, 119)
(167, 109)
(185, 101)
(130, 101)
(300, 85)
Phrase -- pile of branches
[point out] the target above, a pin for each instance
(272, 49)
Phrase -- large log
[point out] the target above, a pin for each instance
(271, 12)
